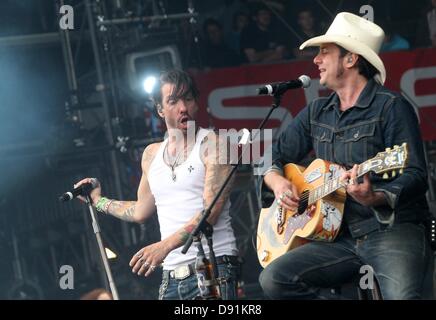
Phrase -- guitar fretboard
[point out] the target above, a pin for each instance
(333, 184)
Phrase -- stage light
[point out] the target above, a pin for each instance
(149, 83)
(140, 65)
(110, 254)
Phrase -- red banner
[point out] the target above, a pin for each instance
(232, 102)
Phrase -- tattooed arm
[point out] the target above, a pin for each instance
(217, 164)
(216, 173)
(144, 207)
(132, 211)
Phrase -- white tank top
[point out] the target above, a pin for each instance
(179, 201)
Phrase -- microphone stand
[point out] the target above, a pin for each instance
(203, 226)
(96, 228)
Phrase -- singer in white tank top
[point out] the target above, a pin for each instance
(179, 188)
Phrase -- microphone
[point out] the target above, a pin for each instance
(81, 190)
(280, 87)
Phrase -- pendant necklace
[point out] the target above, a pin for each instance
(174, 164)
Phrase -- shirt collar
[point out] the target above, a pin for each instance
(364, 100)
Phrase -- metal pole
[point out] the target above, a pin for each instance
(107, 268)
(69, 67)
(102, 22)
(109, 134)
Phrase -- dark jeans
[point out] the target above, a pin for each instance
(187, 289)
(399, 256)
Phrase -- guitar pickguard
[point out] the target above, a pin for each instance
(297, 222)
(331, 222)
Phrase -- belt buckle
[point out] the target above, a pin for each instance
(182, 272)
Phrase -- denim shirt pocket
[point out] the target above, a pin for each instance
(359, 143)
(322, 137)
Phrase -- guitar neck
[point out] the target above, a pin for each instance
(334, 184)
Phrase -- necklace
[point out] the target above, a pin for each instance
(175, 162)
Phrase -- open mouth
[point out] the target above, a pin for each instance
(321, 71)
(184, 120)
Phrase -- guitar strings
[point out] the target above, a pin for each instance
(359, 174)
(311, 191)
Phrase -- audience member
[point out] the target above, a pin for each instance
(307, 27)
(240, 21)
(215, 52)
(260, 41)
(393, 41)
(426, 26)
(431, 21)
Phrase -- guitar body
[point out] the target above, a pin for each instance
(281, 230)
(321, 207)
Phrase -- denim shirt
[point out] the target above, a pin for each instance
(380, 119)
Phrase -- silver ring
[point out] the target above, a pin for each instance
(279, 202)
(152, 268)
(288, 192)
(282, 196)
(146, 264)
(352, 181)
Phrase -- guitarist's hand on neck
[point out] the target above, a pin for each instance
(285, 192)
(362, 192)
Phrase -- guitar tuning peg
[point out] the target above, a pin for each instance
(401, 171)
(385, 176)
(393, 173)
(388, 149)
(396, 146)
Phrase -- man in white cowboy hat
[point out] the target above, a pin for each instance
(383, 224)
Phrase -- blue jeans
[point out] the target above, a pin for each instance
(399, 256)
(187, 289)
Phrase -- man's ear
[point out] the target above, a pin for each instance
(352, 59)
(160, 110)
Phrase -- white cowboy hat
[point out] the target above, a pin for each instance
(357, 35)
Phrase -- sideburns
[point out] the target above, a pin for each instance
(339, 71)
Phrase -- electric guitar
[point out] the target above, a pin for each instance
(320, 211)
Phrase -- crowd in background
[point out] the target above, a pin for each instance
(250, 31)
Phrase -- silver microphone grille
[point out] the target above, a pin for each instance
(305, 80)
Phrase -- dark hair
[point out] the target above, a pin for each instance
(183, 83)
(260, 7)
(211, 22)
(306, 9)
(363, 66)
(237, 15)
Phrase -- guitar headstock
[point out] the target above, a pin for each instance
(389, 160)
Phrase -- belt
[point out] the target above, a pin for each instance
(184, 271)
